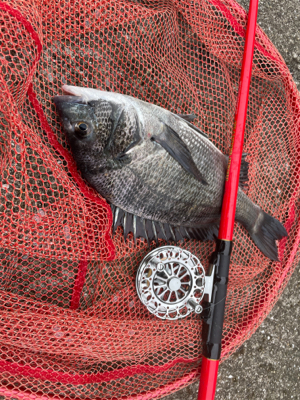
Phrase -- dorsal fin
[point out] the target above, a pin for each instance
(243, 182)
(187, 117)
(190, 118)
(197, 129)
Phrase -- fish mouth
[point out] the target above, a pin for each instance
(76, 91)
(63, 103)
(70, 96)
(69, 90)
(58, 100)
(87, 94)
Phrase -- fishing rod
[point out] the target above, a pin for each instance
(214, 316)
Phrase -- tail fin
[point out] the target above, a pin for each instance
(265, 234)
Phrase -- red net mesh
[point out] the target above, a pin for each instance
(71, 323)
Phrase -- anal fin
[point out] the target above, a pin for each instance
(154, 230)
(127, 224)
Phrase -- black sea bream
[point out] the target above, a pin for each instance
(161, 174)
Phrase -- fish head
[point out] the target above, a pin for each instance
(81, 127)
(77, 118)
(99, 130)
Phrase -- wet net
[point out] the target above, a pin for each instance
(71, 323)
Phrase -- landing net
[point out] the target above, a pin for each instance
(72, 326)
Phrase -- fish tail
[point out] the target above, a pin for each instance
(265, 232)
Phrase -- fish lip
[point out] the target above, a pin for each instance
(58, 100)
(63, 102)
(68, 90)
(73, 92)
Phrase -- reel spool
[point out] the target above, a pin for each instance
(171, 283)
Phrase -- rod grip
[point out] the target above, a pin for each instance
(213, 314)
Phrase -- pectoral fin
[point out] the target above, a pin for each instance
(174, 145)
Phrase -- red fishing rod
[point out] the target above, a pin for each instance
(214, 316)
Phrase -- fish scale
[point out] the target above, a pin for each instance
(161, 174)
(102, 110)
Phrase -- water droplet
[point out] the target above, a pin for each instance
(67, 232)
(37, 218)
(56, 328)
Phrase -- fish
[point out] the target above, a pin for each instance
(162, 176)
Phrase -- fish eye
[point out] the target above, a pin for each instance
(82, 129)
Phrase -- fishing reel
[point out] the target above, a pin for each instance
(171, 283)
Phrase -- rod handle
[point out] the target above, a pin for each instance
(213, 312)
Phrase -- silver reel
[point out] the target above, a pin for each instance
(170, 282)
